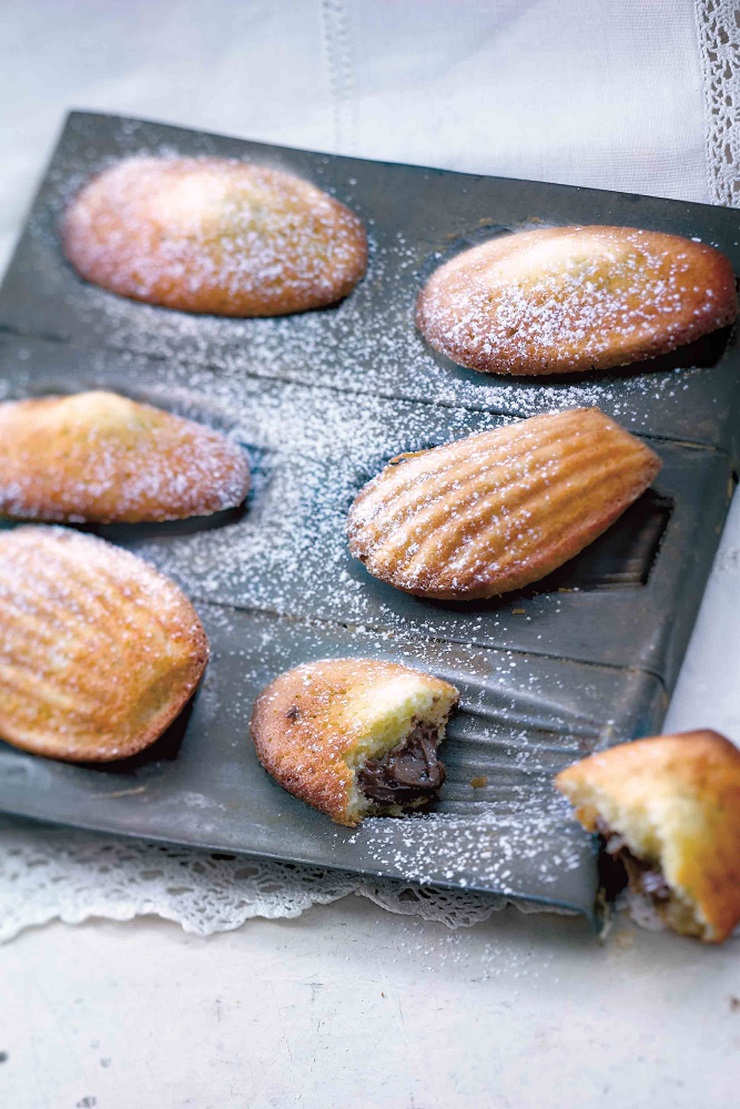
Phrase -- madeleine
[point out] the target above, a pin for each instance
(214, 235)
(101, 458)
(496, 511)
(98, 651)
(354, 737)
(575, 299)
(668, 811)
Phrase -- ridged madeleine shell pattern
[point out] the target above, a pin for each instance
(574, 299)
(501, 509)
(214, 235)
(99, 457)
(98, 651)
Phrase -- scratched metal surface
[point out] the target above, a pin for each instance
(584, 659)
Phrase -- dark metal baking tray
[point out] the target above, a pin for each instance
(321, 401)
(415, 217)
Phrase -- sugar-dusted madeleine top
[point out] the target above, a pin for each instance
(214, 235)
(574, 299)
(314, 726)
(99, 457)
(675, 800)
(495, 511)
(98, 651)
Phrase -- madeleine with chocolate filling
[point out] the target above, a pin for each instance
(667, 809)
(98, 457)
(354, 737)
(214, 235)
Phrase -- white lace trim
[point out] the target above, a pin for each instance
(718, 28)
(341, 74)
(63, 874)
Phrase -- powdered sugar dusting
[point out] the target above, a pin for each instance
(213, 235)
(321, 402)
(498, 848)
(310, 451)
(579, 298)
(98, 456)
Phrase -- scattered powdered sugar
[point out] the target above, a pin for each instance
(310, 452)
(367, 343)
(512, 852)
(321, 401)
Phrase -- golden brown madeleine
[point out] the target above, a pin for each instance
(669, 808)
(98, 651)
(214, 235)
(103, 458)
(573, 299)
(498, 510)
(354, 736)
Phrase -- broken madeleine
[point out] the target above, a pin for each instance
(498, 510)
(101, 458)
(99, 652)
(667, 810)
(214, 235)
(575, 299)
(354, 737)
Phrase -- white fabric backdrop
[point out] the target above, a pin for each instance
(621, 94)
(606, 93)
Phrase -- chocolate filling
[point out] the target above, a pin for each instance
(410, 772)
(619, 868)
